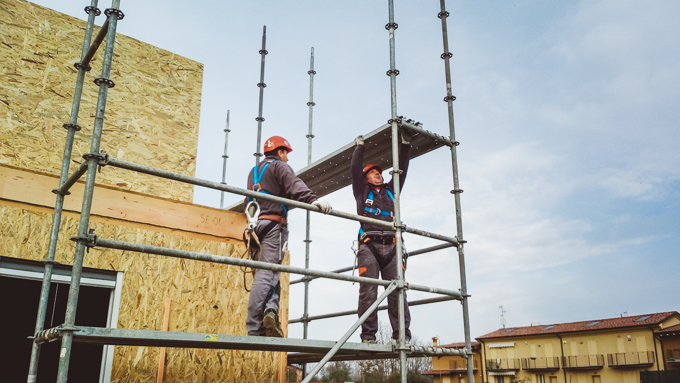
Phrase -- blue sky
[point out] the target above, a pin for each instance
(567, 114)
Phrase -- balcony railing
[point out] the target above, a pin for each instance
(673, 356)
(502, 364)
(583, 362)
(461, 365)
(631, 359)
(552, 363)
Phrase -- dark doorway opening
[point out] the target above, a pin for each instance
(19, 303)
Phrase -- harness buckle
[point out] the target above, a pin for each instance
(377, 211)
(369, 202)
(252, 213)
(257, 187)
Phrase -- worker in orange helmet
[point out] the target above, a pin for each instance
(377, 249)
(275, 177)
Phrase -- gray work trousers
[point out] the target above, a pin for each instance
(370, 266)
(266, 289)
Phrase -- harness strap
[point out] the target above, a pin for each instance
(257, 179)
(252, 242)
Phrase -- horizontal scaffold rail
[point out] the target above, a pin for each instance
(249, 193)
(148, 338)
(416, 352)
(410, 254)
(148, 249)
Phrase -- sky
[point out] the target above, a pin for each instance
(567, 113)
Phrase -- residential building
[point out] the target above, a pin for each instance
(453, 369)
(594, 351)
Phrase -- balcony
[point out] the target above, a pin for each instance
(544, 364)
(673, 357)
(583, 362)
(631, 359)
(461, 365)
(499, 364)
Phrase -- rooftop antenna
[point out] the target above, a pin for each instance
(224, 159)
(503, 320)
(263, 52)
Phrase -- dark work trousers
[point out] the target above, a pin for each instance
(370, 266)
(266, 289)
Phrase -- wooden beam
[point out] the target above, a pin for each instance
(161, 358)
(35, 188)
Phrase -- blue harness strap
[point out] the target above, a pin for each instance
(372, 210)
(257, 178)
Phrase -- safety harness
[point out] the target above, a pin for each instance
(257, 178)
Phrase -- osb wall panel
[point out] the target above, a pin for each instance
(152, 113)
(206, 297)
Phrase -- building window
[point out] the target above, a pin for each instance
(500, 379)
(596, 379)
(540, 378)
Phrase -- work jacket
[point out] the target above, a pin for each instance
(381, 199)
(279, 180)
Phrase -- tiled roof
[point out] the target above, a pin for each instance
(597, 324)
(437, 372)
(475, 345)
(672, 329)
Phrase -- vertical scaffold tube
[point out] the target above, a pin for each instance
(310, 136)
(71, 128)
(396, 172)
(224, 160)
(92, 158)
(261, 85)
(456, 192)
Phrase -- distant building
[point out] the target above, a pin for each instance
(626, 349)
(453, 369)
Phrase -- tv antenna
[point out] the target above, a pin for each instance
(503, 320)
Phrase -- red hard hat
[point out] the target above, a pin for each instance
(275, 142)
(368, 167)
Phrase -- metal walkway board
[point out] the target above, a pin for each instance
(332, 172)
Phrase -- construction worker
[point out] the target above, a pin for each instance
(377, 250)
(275, 177)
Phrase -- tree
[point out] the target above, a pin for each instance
(337, 372)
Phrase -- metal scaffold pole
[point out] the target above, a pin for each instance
(310, 136)
(71, 128)
(224, 159)
(396, 172)
(92, 158)
(263, 52)
(443, 15)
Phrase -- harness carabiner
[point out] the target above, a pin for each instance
(252, 213)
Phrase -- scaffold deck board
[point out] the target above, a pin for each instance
(332, 173)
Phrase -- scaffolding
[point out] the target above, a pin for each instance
(306, 350)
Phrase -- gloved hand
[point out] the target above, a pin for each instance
(359, 140)
(406, 136)
(324, 206)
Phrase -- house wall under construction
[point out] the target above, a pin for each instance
(152, 118)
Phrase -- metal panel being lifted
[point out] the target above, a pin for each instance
(332, 173)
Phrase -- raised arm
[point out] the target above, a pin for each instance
(356, 167)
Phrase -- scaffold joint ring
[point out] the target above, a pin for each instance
(311, 72)
(310, 136)
(72, 126)
(80, 66)
(261, 85)
(56, 191)
(311, 103)
(50, 262)
(446, 55)
(259, 118)
(100, 80)
(449, 98)
(113, 11)
(445, 14)
(455, 191)
(391, 25)
(395, 71)
(263, 52)
(96, 10)
(456, 143)
(398, 121)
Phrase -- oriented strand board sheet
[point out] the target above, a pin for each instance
(206, 297)
(35, 188)
(152, 113)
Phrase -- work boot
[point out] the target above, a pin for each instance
(271, 323)
(369, 341)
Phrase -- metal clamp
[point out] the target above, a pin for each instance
(89, 240)
(445, 14)
(101, 157)
(455, 143)
(449, 98)
(100, 80)
(454, 191)
(446, 55)
(257, 154)
(310, 136)
(263, 52)
(225, 156)
(311, 72)
(311, 103)
(96, 10)
(50, 262)
(396, 171)
(307, 241)
(395, 71)
(112, 11)
(259, 118)
(56, 191)
(72, 126)
(398, 121)
(80, 66)
(391, 25)
(261, 85)
(401, 226)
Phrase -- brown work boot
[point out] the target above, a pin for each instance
(271, 323)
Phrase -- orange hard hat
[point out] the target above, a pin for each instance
(275, 142)
(368, 168)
